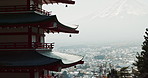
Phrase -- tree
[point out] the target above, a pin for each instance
(124, 72)
(142, 58)
(113, 74)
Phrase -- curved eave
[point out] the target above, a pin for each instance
(72, 64)
(68, 60)
(25, 59)
(25, 19)
(58, 1)
(65, 30)
(62, 28)
(34, 19)
(53, 61)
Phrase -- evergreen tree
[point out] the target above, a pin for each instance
(142, 58)
(113, 74)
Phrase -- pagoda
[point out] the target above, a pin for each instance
(23, 51)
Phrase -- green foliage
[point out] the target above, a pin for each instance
(142, 58)
(113, 74)
(124, 72)
(123, 68)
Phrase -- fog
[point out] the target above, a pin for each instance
(101, 21)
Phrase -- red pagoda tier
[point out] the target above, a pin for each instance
(23, 51)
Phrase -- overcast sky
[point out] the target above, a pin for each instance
(101, 21)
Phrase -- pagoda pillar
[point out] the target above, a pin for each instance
(28, 4)
(29, 37)
(32, 75)
(41, 74)
(38, 37)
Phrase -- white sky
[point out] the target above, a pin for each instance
(101, 21)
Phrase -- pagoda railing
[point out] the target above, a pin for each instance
(43, 45)
(25, 45)
(21, 8)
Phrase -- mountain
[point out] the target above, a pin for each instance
(120, 7)
(123, 20)
(105, 21)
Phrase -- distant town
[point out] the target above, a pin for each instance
(107, 61)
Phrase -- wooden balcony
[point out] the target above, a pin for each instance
(23, 8)
(25, 45)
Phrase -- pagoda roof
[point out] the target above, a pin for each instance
(34, 19)
(46, 60)
(56, 1)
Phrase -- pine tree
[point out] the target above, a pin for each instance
(142, 58)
